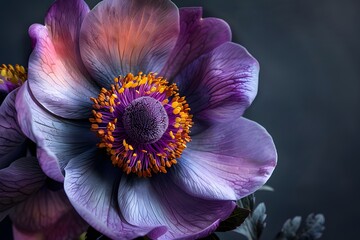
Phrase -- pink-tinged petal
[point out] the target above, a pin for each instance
(91, 184)
(220, 85)
(57, 76)
(48, 214)
(197, 36)
(11, 137)
(118, 37)
(58, 140)
(227, 161)
(160, 202)
(18, 181)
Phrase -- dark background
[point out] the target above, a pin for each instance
(308, 97)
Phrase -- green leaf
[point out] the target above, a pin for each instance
(254, 225)
(266, 188)
(82, 236)
(237, 217)
(247, 202)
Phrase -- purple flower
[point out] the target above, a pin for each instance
(163, 155)
(37, 206)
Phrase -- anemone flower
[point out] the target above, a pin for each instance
(37, 206)
(137, 107)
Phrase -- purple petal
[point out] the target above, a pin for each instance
(18, 181)
(220, 85)
(19, 235)
(57, 76)
(91, 184)
(197, 37)
(160, 202)
(50, 214)
(6, 87)
(227, 161)
(57, 140)
(118, 37)
(205, 232)
(11, 137)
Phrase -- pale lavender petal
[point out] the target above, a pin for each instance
(118, 37)
(220, 85)
(11, 137)
(197, 36)
(58, 140)
(91, 184)
(158, 201)
(50, 213)
(227, 161)
(17, 182)
(57, 76)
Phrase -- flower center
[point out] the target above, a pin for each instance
(12, 77)
(145, 120)
(142, 122)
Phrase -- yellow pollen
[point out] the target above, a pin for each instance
(177, 110)
(126, 154)
(172, 135)
(161, 89)
(174, 104)
(16, 75)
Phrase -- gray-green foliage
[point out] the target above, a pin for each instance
(254, 224)
(311, 229)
